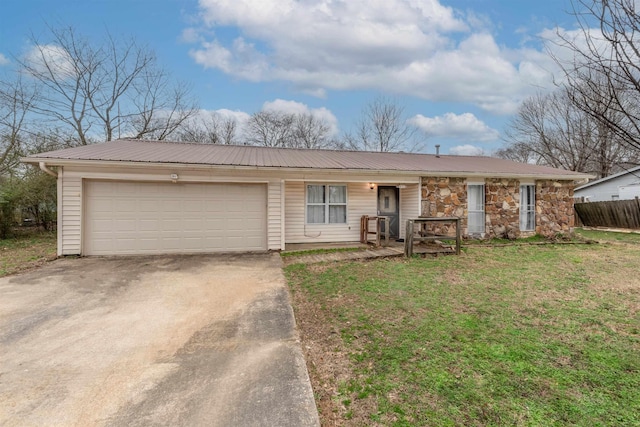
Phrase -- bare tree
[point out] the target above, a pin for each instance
(518, 152)
(228, 129)
(161, 108)
(208, 128)
(271, 129)
(16, 101)
(291, 130)
(604, 73)
(551, 130)
(382, 127)
(311, 132)
(104, 91)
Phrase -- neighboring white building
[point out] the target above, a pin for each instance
(621, 186)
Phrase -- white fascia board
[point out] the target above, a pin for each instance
(192, 166)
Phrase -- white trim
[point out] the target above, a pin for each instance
(419, 200)
(528, 211)
(326, 203)
(475, 181)
(281, 170)
(282, 213)
(59, 208)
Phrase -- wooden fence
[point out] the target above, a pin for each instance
(614, 214)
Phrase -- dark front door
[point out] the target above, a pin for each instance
(388, 205)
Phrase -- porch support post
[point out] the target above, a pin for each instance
(408, 239)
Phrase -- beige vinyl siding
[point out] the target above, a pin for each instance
(361, 200)
(285, 188)
(274, 215)
(71, 197)
(409, 205)
(71, 227)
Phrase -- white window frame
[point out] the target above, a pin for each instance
(476, 213)
(327, 205)
(527, 210)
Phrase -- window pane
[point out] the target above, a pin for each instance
(531, 196)
(475, 194)
(531, 221)
(337, 194)
(476, 222)
(315, 214)
(337, 214)
(527, 207)
(476, 197)
(315, 193)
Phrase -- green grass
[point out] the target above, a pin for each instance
(522, 335)
(319, 251)
(608, 236)
(27, 249)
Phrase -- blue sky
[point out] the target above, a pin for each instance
(460, 67)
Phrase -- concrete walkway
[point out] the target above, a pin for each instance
(137, 341)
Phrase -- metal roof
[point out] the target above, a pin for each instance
(160, 152)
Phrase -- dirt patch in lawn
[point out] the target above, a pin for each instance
(327, 362)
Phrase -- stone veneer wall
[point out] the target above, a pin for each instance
(444, 197)
(448, 197)
(502, 208)
(554, 207)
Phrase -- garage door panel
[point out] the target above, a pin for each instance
(171, 206)
(148, 224)
(149, 206)
(130, 218)
(214, 224)
(194, 224)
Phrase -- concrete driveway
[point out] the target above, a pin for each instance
(173, 340)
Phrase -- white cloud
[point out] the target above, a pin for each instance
(277, 105)
(241, 118)
(3, 60)
(466, 150)
(50, 58)
(190, 35)
(293, 107)
(558, 41)
(457, 126)
(413, 47)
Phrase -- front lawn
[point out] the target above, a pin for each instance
(29, 248)
(521, 335)
(608, 236)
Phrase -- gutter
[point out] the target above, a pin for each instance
(45, 169)
(457, 174)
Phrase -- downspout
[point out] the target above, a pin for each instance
(44, 168)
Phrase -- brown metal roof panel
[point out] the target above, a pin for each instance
(165, 152)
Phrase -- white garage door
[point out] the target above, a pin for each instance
(150, 218)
